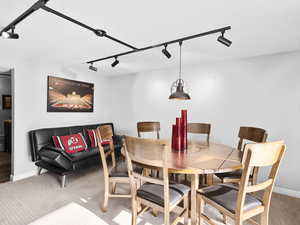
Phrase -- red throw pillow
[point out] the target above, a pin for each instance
(70, 143)
(92, 137)
(56, 142)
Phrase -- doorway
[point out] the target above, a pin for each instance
(5, 125)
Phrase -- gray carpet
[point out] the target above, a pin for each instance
(24, 201)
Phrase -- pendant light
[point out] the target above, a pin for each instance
(177, 88)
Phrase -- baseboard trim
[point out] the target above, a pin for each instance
(23, 175)
(26, 175)
(286, 191)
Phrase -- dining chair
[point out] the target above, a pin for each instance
(115, 174)
(149, 126)
(253, 134)
(199, 128)
(151, 192)
(239, 203)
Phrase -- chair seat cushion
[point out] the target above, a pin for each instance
(122, 171)
(226, 195)
(232, 175)
(119, 172)
(235, 174)
(155, 192)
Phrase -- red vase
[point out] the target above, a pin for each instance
(178, 134)
(173, 136)
(184, 128)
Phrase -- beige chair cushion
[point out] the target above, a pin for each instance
(118, 172)
(226, 195)
(121, 170)
(155, 192)
(236, 174)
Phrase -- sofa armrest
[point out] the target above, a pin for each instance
(56, 157)
(58, 150)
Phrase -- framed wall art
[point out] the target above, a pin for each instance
(69, 95)
(6, 101)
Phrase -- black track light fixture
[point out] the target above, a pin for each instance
(224, 40)
(42, 5)
(10, 35)
(116, 62)
(93, 68)
(166, 52)
(100, 33)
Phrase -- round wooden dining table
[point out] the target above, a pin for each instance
(199, 158)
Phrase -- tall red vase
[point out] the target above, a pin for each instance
(178, 139)
(173, 136)
(179, 132)
(184, 128)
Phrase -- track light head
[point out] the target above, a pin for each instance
(93, 68)
(224, 40)
(9, 35)
(100, 33)
(116, 62)
(166, 52)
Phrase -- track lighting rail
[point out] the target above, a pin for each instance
(98, 32)
(41, 4)
(24, 15)
(163, 44)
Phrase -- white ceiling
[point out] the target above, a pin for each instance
(258, 28)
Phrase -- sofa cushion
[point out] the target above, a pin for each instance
(89, 152)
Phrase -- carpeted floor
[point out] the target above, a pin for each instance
(27, 200)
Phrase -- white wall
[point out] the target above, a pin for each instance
(262, 91)
(30, 112)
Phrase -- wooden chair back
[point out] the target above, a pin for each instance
(148, 127)
(253, 134)
(103, 134)
(106, 132)
(199, 128)
(259, 155)
(132, 148)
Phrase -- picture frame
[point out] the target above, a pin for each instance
(6, 102)
(64, 95)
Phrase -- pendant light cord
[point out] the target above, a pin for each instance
(180, 44)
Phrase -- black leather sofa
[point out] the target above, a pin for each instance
(47, 156)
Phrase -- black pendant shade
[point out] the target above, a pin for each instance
(179, 93)
(177, 88)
